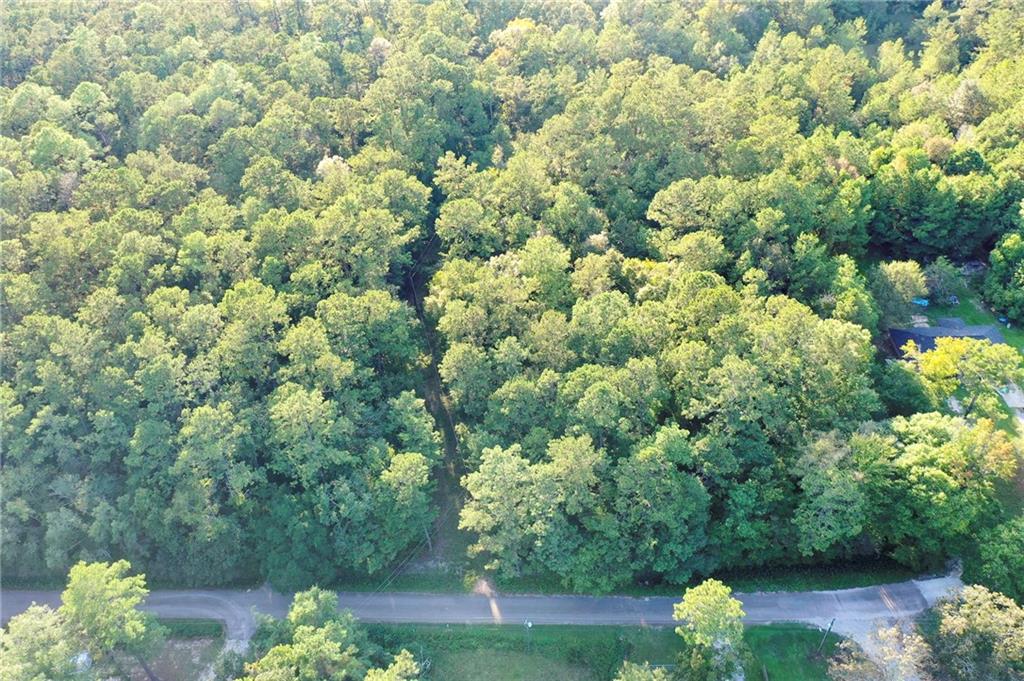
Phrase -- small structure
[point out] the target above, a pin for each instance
(952, 327)
(1014, 398)
(920, 302)
(919, 321)
(82, 661)
(973, 267)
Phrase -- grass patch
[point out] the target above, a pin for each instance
(499, 653)
(846, 575)
(586, 653)
(1012, 493)
(491, 665)
(191, 628)
(36, 583)
(865, 572)
(444, 582)
(789, 652)
(974, 312)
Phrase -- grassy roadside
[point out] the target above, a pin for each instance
(865, 572)
(591, 653)
(790, 652)
(500, 653)
(58, 582)
(190, 628)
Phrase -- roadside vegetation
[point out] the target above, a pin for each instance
(510, 653)
(790, 653)
(100, 632)
(186, 628)
(971, 636)
(492, 652)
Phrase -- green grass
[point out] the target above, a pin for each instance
(497, 653)
(490, 665)
(443, 582)
(865, 572)
(58, 581)
(847, 575)
(37, 583)
(789, 652)
(1008, 422)
(189, 628)
(573, 653)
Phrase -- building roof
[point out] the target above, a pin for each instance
(924, 337)
(1013, 396)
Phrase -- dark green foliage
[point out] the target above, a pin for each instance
(205, 347)
(651, 246)
(1004, 282)
(1001, 565)
(901, 390)
(317, 640)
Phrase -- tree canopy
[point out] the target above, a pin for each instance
(98, 623)
(319, 642)
(636, 260)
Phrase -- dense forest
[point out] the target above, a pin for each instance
(279, 277)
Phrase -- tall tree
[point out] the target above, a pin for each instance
(38, 645)
(317, 641)
(712, 627)
(101, 607)
(980, 636)
(710, 616)
(895, 285)
(977, 370)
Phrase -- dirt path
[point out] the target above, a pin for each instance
(435, 552)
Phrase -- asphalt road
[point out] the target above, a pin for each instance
(854, 609)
